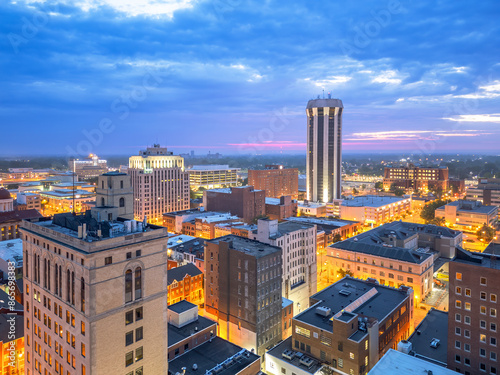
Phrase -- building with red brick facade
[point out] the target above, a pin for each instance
(244, 202)
(275, 180)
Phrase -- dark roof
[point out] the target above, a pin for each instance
(377, 301)
(278, 350)
(317, 103)
(396, 253)
(434, 326)
(477, 259)
(19, 215)
(176, 335)
(209, 355)
(196, 245)
(254, 248)
(181, 306)
(178, 273)
(4, 194)
(492, 249)
(114, 173)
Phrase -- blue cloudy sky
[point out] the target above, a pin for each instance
(234, 76)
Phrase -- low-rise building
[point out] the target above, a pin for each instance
(468, 215)
(10, 218)
(190, 250)
(29, 201)
(194, 347)
(275, 180)
(487, 191)
(280, 208)
(185, 283)
(395, 254)
(11, 253)
(374, 209)
(430, 339)
(286, 317)
(397, 363)
(62, 200)
(212, 176)
(415, 177)
(174, 221)
(350, 325)
(307, 208)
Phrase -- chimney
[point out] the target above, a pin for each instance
(84, 231)
(80, 231)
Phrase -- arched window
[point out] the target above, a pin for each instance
(128, 286)
(122, 202)
(60, 281)
(138, 283)
(56, 281)
(26, 266)
(68, 285)
(45, 273)
(48, 274)
(102, 202)
(73, 288)
(82, 294)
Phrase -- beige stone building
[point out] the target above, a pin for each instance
(95, 296)
(160, 183)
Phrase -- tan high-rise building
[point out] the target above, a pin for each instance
(160, 183)
(324, 149)
(275, 180)
(95, 296)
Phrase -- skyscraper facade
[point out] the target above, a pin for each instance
(160, 183)
(324, 149)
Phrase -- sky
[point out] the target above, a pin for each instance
(234, 76)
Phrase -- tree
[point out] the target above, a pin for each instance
(429, 211)
(379, 185)
(342, 273)
(439, 221)
(363, 187)
(336, 238)
(398, 192)
(256, 218)
(355, 191)
(486, 233)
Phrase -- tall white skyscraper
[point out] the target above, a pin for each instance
(160, 183)
(324, 149)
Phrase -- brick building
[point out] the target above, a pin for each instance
(244, 202)
(185, 283)
(280, 208)
(275, 180)
(414, 177)
(473, 330)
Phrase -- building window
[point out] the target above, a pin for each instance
(493, 312)
(482, 280)
(129, 358)
(482, 295)
(493, 297)
(458, 304)
(138, 283)
(122, 202)
(482, 337)
(108, 260)
(129, 317)
(139, 335)
(458, 276)
(129, 338)
(138, 354)
(82, 294)
(467, 306)
(128, 286)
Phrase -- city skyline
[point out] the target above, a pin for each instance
(121, 75)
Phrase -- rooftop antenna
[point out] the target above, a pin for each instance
(323, 93)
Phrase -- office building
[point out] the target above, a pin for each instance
(159, 182)
(374, 209)
(194, 347)
(324, 149)
(314, 209)
(414, 177)
(350, 325)
(280, 208)
(298, 247)
(244, 202)
(243, 291)
(90, 167)
(275, 180)
(394, 254)
(468, 216)
(95, 295)
(212, 176)
(28, 201)
(473, 330)
(487, 192)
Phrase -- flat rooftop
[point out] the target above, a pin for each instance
(397, 363)
(12, 250)
(179, 240)
(211, 354)
(471, 206)
(176, 335)
(245, 245)
(476, 259)
(212, 167)
(371, 201)
(491, 249)
(372, 300)
(290, 227)
(278, 350)
(191, 246)
(434, 326)
(333, 223)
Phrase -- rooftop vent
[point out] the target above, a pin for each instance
(306, 361)
(345, 293)
(323, 311)
(435, 343)
(288, 354)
